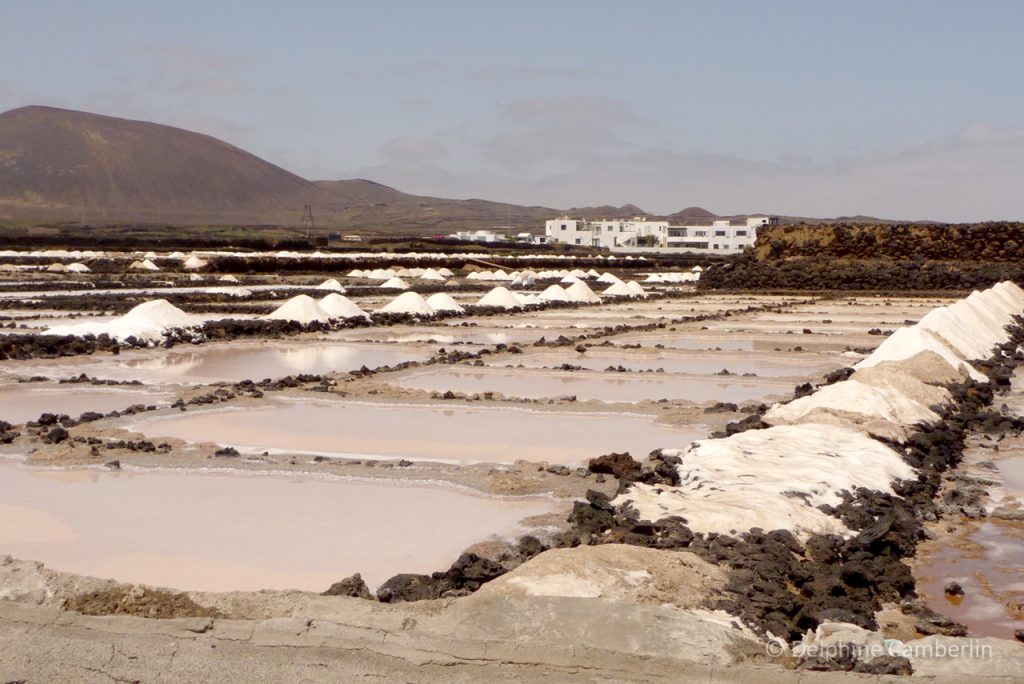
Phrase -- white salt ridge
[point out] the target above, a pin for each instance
(339, 306)
(301, 309)
(887, 408)
(147, 321)
(501, 298)
(581, 292)
(395, 283)
(331, 284)
(441, 301)
(962, 332)
(408, 303)
(231, 291)
(554, 293)
(749, 479)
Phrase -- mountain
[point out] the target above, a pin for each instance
(53, 160)
(66, 166)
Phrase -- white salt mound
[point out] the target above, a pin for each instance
(194, 263)
(749, 479)
(147, 321)
(501, 298)
(395, 283)
(339, 306)
(301, 309)
(441, 301)
(408, 303)
(331, 284)
(637, 289)
(56, 267)
(78, 267)
(145, 265)
(581, 292)
(608, 278)
(430, 274)
(554, 293)
(228, 279)
(619, 290)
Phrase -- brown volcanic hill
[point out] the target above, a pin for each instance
(692, 214)
(53, 159)
(606, 211)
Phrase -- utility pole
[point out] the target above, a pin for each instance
(308, 223)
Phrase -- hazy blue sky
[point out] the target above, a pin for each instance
(900, 109)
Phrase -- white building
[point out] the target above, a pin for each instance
(477, 236)
(719, 237)
(606, 233)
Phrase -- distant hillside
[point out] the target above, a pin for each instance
(58, 161)
(65, 166)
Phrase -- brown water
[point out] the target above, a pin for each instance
(991, 571)
(416, 432)
(764, 364)
(591, 385)
(221, 532)
(23, 402)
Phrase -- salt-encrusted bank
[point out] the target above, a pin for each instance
(821, 445)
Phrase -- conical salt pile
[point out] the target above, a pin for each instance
(444, 302)
(408, 303)
(619, 290)
(331, 284)
(338, 306)
(194, 263)
(636, 288)
(581, 292)
(554, 293)
(501, 298)
(301, 309)
(146, 265)
(395, 283)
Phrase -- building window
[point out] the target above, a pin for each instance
(563, 226)
(741, 233)
(719, 233)
(610, 229)
(579, 241)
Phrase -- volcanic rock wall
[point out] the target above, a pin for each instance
(899, 257)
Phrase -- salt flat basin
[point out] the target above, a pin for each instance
(590, 385)
(27, 401)
(451, 334)
(229, 362)
(743, 341)
(418, 432)
(221, 532)
(701, 363)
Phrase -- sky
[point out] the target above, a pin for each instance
(899, 109)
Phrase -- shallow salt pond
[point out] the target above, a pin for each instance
(421, 432)
(222, 532)
(228, 362)
(746, 341)
(591, 385)
(452, 334)
(27, 401)
(600, 358)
